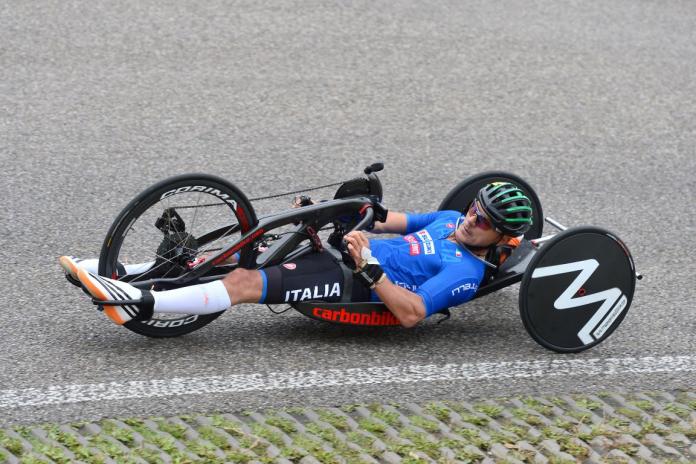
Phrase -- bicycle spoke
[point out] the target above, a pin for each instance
(195, 213)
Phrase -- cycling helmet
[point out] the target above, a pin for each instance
(509, 209)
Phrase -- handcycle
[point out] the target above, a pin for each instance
(576, 285)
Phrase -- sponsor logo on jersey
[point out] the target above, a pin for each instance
(291, 266)
(316, 292)
(465, 287)
(428, 244)
(412, 288)
(424, 236)
(414, 246)
(347, 317)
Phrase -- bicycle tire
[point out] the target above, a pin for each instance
(225, 191)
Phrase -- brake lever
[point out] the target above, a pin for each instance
(380, 211)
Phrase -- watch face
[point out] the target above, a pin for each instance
(577, 289)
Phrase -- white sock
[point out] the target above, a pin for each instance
(196, 299)
(92, 266)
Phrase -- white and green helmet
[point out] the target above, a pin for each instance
(508, 207)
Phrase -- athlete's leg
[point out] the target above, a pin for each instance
(316, 276)
(239, 286)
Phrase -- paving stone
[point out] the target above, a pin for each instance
(90, 429)
(618, 455)
(309, 460)
(367, 459)
(9, 457)
(678, 438)
(502, 452)
(601, 443)
(350, 422)
(528, 450)
(391, 458)
(447, 454)
(42, 435)
(645, 455)
(508, 444)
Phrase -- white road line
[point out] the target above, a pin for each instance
(334, 377)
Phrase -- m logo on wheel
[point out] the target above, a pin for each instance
(613, 300)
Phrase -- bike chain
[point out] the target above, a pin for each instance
(298, 191)
(278, 195)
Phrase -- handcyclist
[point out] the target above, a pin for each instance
(438, 262)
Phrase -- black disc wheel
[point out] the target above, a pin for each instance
(461, 196)
(577, 289)
(167, 228)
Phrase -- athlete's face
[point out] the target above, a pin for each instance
(475, 228)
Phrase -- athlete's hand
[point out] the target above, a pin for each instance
(356, 242)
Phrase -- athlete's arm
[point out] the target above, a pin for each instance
(405, 305)
(395, 224)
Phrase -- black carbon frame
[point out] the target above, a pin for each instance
(314, 216)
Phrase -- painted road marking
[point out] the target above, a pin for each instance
(62, 394)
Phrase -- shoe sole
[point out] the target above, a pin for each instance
(69, 266)
(98, 293)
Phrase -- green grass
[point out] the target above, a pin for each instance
(231, 427)
(177, 431)
(481, 421)
(438, 410)
(489, 409)
(219, 439)
(373, 426)
(643, 404)
(123, 435)
(360, 439)
(268, 434)
(678, 410)
(568, 445)
(385, 415)
(538, 406)
(587, 403)
(689, 432)
(336, 420)
(425, 424)
(630, 413)
(13, 445)
(281, 423)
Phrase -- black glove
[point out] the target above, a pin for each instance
(370, 275)
(369, 272)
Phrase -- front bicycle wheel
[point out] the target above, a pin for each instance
(168, 227)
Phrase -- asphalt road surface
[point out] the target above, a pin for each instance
(593, 102)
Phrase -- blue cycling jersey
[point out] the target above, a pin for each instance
(423, 261)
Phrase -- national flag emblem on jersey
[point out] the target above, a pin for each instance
(449, 225)
(458, 253)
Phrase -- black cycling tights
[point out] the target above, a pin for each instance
(316, 276)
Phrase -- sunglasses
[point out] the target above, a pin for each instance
(482, 221)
